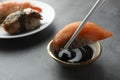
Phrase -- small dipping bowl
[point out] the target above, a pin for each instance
(97, 49)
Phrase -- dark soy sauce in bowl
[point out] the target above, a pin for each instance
(87, 55)
(76, 55)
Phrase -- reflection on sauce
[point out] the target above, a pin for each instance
(76, 55)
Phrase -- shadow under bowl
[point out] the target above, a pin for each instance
(97, 49)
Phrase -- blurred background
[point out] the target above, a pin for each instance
(26, 58)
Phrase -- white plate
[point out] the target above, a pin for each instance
(48, 15)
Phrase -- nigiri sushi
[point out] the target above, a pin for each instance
(7, 7)
(21, 21)
(90, 33)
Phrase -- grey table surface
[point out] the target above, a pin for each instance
(27, 58)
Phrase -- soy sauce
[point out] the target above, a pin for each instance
(85, 53)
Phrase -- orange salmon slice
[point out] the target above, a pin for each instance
(90, 32)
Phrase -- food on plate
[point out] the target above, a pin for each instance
(7, 7)
(79, 50)
(19, 17)
(21, 21)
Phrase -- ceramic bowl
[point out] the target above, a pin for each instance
(97, 49)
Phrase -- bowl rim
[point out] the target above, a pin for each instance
(80, 63)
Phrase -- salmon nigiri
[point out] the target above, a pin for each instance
(91, 32)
